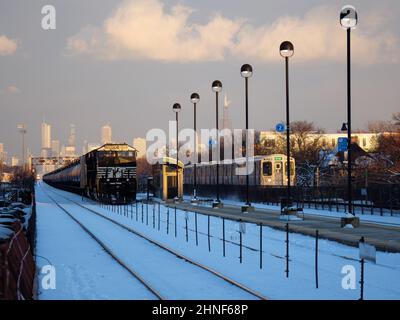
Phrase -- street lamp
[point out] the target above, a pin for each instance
(217, 88)
(287, 51)
(246, 72)
(349, 20)
(177, 108)
(195, 98)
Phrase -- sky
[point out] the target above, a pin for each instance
(127, 62)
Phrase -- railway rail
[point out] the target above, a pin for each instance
(165, 248)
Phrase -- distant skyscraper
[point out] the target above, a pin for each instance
(55, 148)
(46, 136)
(106, 134)
(70, 150)
(14, 161)
(140, 145)
(226, 121)
(3, 154)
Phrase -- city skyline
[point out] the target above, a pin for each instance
(60, 75)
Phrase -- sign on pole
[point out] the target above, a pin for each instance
(367, 252)
(280, 128)
(342, 144)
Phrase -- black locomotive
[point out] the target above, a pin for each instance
(107, 173)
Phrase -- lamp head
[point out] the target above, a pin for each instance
(348, 17)
(176, 108)
(217, 86)
(286, 49)
(246, 71)
(195, 98)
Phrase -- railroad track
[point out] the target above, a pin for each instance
(156, 243)
(109, 251)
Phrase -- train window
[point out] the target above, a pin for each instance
(267, 168)
(113, 158)
(291, 168)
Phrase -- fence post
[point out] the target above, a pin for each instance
(168, 220)
(287, 250)
(223, 237)
(362, 274)
(261, 246)
(176, 231)
(240, 242)
(195, 223)
(159, 217)
(186, 221)
(208, 231)
(154, 215)
(147, 214)
(316, 258)
(142, 213)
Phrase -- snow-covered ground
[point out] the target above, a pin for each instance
(83, 269)
(172, 277)
(382, 281)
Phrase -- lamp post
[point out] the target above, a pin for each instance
(177, 108)
(217, 88)
(349, 20)
(195, 98)
(246, 72)
(287, 51)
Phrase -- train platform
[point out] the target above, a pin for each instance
(385, 237)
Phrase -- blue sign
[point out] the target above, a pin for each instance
(342, 144)
(280, 127)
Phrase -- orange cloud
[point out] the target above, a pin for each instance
(143, 29)
(7, 46)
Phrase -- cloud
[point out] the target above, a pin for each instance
(13, 90)
(7, 46)
(318, 36)
(143, 29)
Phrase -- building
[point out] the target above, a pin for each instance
(14, 161)
(106, 134)
(140, 144)
(366, 141)
(3, 154)
(46, 136)
(55, 148)
(70, 149)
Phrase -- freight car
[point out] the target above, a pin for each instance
(107, 173)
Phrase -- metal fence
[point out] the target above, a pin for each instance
(375, 199)
(228, 237)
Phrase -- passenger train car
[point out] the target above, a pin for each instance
(269, 171)
(108, 172)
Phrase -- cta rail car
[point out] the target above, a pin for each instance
(164, 179)
(270, 171)
(108, 172)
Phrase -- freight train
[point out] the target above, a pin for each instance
(107, 173)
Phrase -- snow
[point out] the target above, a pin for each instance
(83, 269)
(382, 281)
(172, 277)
